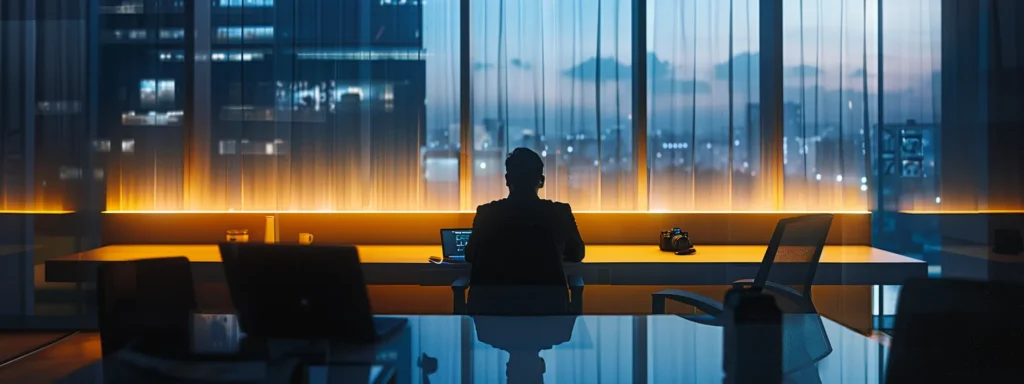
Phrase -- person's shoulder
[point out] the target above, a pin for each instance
(491, 205)
(558, 205)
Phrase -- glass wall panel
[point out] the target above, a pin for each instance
(48, 170)
(909, 158)
(297, 105)
(140, 116)
(322, 105)
(830, 88)
(703, 91)
(555, 76)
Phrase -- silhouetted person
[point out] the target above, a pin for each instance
(524, 176)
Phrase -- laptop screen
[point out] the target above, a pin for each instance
(453, 242)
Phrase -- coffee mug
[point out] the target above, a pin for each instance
(305, 238)
(238, 235)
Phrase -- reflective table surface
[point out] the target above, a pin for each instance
(491, 349)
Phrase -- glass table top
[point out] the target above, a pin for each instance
(555, 349)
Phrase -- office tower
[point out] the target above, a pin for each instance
(141, 85)
(295, 104)
(317, 105)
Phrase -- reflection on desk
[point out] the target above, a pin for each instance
(584, 349)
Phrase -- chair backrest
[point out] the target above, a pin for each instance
(518, 254)
(797, 243)
(952, 330)
(150, 299)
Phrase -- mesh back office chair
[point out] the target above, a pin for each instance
(147, 301)
(797, 243)
(952, 330)
(520, 272)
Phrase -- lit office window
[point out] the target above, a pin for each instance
(555, 77)
(699, 158)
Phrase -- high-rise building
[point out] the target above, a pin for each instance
(295, 104)
(317, 105)
(141, 82)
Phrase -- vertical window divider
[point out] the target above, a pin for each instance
(465, 109)
(771, 101)
(188, 128)
(639, 16)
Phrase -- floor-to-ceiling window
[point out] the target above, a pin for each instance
(356, 106)
(555, 77)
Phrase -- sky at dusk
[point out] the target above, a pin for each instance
(548, 50)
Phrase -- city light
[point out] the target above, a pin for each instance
(839, 178)
(864, 187)
(568, 149)
(483, 165)
(938, 200)
(864, 180)
(817, 177)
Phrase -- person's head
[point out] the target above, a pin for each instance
(524, 171)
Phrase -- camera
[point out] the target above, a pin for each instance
(675, 240)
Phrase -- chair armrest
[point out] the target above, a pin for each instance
(459, 287)
(698, 301)
(782, 291)
(575, 281)
(575, 293)
(460, 284)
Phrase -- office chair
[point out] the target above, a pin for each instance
(520, 272)
(148, 302)
(953, 330)
(797, 242)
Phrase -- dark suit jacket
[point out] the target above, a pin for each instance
(556, 217)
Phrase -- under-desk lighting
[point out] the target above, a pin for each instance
(856, 212)
(34, 212)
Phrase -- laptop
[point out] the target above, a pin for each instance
(453, 244)
(302, 292)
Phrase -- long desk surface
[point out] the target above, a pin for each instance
(604, 264)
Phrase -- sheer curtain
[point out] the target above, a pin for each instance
(324, 105)
(830, 90)
(554, 76)
(703, 131)
(833, 109)
(911, 108)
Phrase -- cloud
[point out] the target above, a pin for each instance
(858, 73)
(480, 66)
(751, 62)
(519, 63)
(805, 70)
(660, 74)
(741, 64)
(611, 70)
